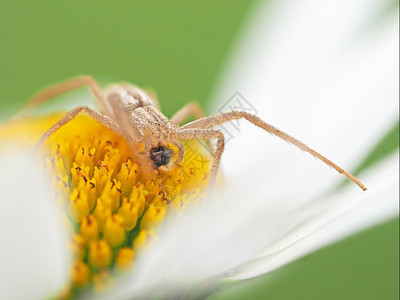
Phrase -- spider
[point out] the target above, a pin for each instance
(132, 113)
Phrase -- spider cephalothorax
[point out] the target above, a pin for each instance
(160, 156)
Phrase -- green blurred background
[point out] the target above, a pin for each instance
(177, 49)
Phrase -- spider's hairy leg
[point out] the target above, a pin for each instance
(99, 117)
(186, 111)
(142, 158)
(194, 133)
(211, 121)
(58, 89)
(105, 121)
(181, 149)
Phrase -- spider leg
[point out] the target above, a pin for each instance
(99, 117)
(187, 111)
(105, 121)
(181, 149)
(65, 87)
(194, 133)
(211, 121)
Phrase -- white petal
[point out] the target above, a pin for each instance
(332, 219)
(33, 252)
(320, 71)
(235, 227)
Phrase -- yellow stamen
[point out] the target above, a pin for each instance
(143, 239)
(89, 228)
(153, 216)
(125, 258)
(79, 274)
(112, 209)
(99, 254)
(129, 211)
(114, 230)
(102, 212)
(78, 205)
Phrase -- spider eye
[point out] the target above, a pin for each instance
(160, 156)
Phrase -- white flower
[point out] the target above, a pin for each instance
(33, 256)
(321, 72)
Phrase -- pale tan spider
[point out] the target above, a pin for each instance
(130, 112)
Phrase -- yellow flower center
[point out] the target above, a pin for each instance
(112, 210)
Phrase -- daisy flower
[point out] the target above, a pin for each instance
(319, 70)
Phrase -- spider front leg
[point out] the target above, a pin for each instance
(194, 133)
(211, 121)
(99, 117)
(65, 87)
